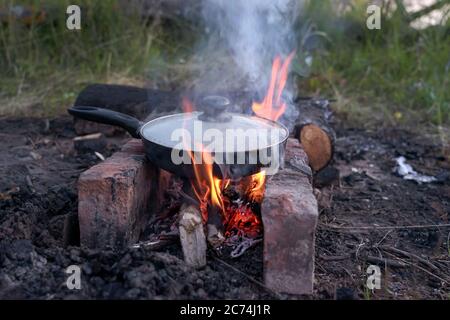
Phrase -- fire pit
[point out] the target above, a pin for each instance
(223, 163)
(125, 193)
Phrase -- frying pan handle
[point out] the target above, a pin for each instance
(129, 123)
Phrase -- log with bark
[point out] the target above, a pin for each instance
(137, 102)
(315, 133)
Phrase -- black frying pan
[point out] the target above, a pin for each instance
(159, 150)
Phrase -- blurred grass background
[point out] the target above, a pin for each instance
(397, 75)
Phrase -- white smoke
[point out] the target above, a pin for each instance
(255, 31)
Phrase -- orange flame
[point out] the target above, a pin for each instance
(273, 107)
(256, 189)
(207, 188)
(209, 191)
(187, 105)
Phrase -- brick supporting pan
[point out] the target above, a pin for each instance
(289, 213)
(116, 197)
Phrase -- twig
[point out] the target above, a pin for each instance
(448, 243)
(155, 245)
(410, 255)
(253, 280)
(385, 236)
(386, 262)
(360, 245)
(423, 12)
(335, 258)
(355, 228)
(30, 184)
(423, 269)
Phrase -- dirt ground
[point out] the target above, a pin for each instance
(38, 173)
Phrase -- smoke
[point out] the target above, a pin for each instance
(254, 30)
(244, 37)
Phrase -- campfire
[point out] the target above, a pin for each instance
(206, 192)
(231, 209)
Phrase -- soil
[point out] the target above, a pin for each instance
(38, 201)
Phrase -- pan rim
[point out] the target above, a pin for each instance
(273, 122)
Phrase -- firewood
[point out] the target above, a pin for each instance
(192, 236)
(135, 101)
(315, 133)
(141, 102)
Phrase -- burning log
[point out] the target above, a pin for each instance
(192, 236)
(315, 133)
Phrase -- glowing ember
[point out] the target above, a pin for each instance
(242, 222)
(239, 218)
(273, 107)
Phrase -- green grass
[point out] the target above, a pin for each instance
(392, 76)
(43, 66)
(388, 74)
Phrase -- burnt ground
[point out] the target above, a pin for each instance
(38, 173)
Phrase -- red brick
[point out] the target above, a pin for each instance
(289, 212)
(115, 197)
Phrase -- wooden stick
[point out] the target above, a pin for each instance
(155, 245)
(192, 236)
(356, 228)
(420, 268)
(335, 258)
(410, 255)
(385, 261)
